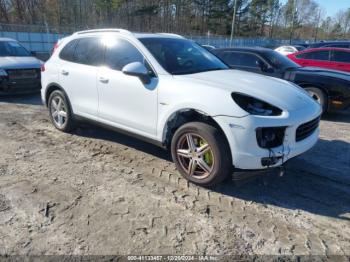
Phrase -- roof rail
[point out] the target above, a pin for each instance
(169, 34)
(123, 31)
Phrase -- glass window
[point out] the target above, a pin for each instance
(341, 57)
(67, 52)
(120, 52)
(338, 45)
(241, 59)
(89, 51)
(13, 48)
(317, 55)
(182, 56)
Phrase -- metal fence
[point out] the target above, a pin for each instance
(40, 38)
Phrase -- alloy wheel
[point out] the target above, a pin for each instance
(195, 155)
(58, 111)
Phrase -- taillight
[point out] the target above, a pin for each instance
(42, 68)
(55, 48)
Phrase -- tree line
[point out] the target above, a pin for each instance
(297, 19)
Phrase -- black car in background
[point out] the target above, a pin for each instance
(329, 87)
(337, 44)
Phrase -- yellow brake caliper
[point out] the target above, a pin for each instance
(208, 157)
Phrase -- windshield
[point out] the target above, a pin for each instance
(279, 61)
(181, 56)
(12, 48)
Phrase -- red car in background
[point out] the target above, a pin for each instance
(330, 58)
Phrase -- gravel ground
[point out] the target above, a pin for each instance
(95, 192)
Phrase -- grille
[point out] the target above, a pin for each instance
(23, 73)
(307, 129)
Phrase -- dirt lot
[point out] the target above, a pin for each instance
(98, 192)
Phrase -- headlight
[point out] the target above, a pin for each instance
(255, 106)
(3, 72)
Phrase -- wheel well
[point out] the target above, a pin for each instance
(322, 89)
(49, 91)
(182, 117)
(314, 86)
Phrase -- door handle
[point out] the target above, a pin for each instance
(104, 80)
(65, 73)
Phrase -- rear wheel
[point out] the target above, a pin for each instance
(201, 154)
(319, 96)
(60, 111)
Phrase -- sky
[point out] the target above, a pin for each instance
(332, 6)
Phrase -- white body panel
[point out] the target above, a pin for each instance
(123, 101)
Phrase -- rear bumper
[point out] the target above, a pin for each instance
(21, 86)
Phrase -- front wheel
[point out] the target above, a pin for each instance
(201, 154)
(318, 95)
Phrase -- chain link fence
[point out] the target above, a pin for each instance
(41, 38)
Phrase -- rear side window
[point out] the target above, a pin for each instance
(89, 51)
(120, 52)
(318, 55)
(67, 52)
(341, 57)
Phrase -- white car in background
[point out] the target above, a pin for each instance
(170, 91)
(289, 49)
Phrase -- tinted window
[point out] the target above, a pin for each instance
(67, 52)
(12, 48)
(241, 59)
(182, 56)
(120, 52)
(318, 55)
(338, 45)
(342, 57)
(278, 61)
(89, 51)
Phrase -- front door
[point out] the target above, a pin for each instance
(124, 101)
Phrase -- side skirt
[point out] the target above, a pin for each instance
(119, 130)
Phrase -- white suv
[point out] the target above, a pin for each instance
(169, 90)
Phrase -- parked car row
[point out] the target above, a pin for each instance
(170, 91)
(19, 69)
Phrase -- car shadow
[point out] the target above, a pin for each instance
(313, 187)
(92, 131)
(300, 188)
(29, 99)
(342, 116)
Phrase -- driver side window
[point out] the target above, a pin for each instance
(120, 52)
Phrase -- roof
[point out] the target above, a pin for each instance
(2, 39)
(251, 49)
(126, 32)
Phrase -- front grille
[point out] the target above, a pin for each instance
(15, 74)
(307, 129)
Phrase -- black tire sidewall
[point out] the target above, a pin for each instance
(222, 154)
(321, 95)
(67, 127)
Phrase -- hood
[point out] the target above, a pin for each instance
(277, 92)
(19, 62)
(323, 72)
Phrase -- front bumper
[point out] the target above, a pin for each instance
(245, 151)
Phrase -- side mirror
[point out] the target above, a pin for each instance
(139, 70)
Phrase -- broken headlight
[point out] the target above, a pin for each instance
(255, 106)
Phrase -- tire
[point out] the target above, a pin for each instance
(60, 111)
(319, 96)
(202, 166)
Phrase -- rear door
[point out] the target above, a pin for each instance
(78, 73)
(319, 58)
(341, 60)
